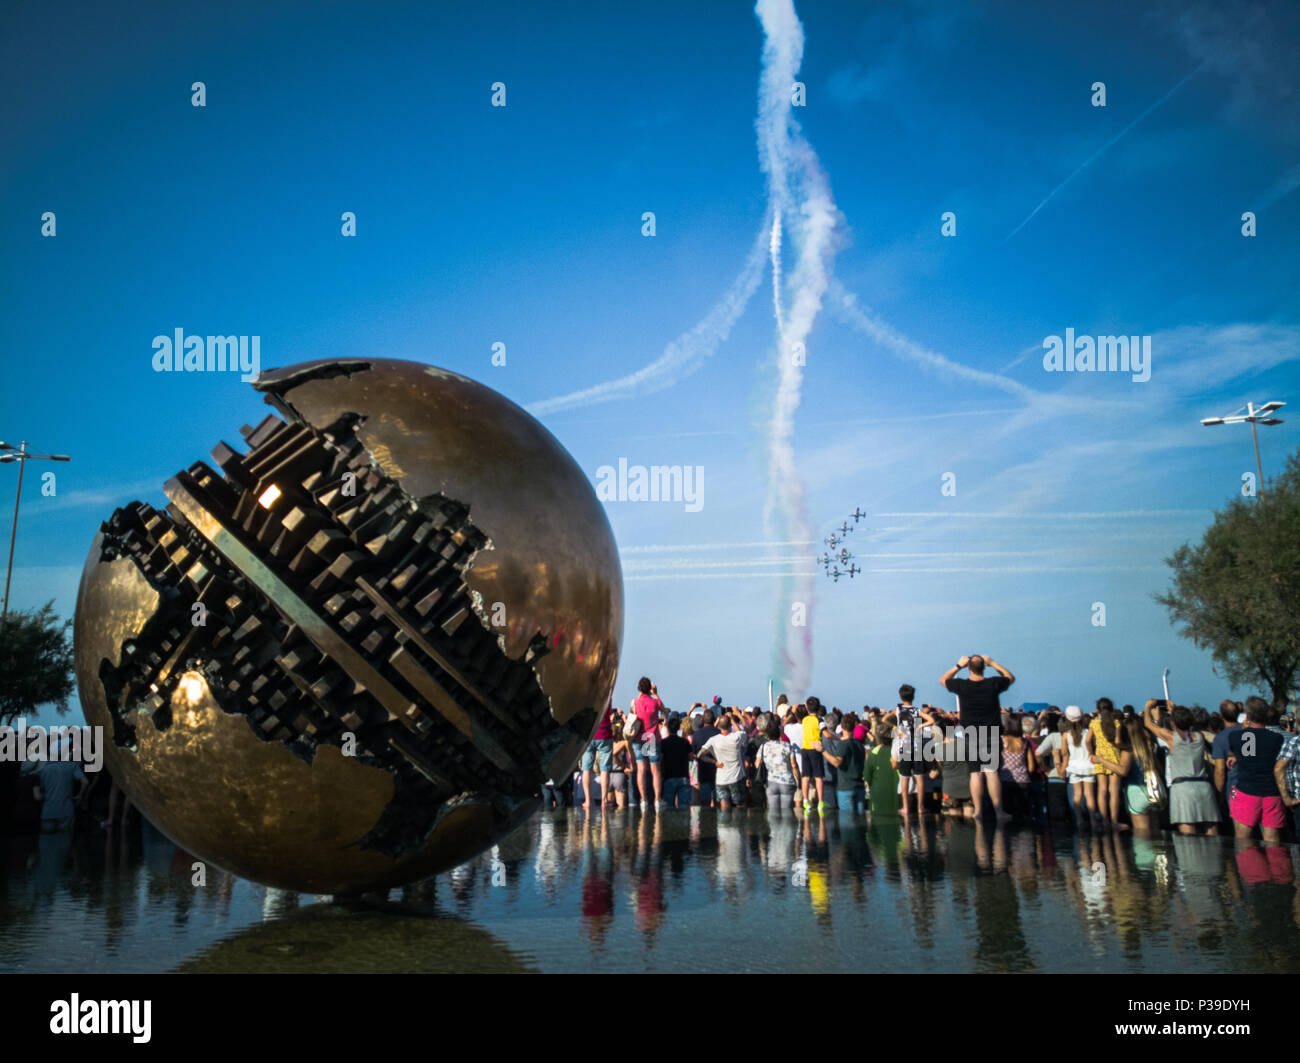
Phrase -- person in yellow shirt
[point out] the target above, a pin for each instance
(812, 766)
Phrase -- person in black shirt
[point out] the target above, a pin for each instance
(708, 771)
(675, 760)
(980, 717)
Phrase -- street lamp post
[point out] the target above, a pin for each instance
(9, 454)
(1253, 416)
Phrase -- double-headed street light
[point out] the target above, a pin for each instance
(1254, 415)
(8, 454)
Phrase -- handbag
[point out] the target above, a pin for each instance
(633, 728)
(1157, 792)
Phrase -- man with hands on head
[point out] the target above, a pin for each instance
(979, 707)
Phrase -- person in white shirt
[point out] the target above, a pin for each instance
(727, 750)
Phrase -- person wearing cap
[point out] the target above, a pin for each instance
(830, 773)
(1078, 764)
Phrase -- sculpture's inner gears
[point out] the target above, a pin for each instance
(325, 605)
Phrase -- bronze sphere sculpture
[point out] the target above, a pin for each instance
(347, 657)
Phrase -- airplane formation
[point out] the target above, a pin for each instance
(831, 562)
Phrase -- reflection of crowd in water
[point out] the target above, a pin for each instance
(76, 901)
(882, 888)
(85, 880)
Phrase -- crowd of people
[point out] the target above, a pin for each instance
(1108, 769)
(57, 796)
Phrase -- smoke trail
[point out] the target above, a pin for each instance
(775, 254)
(1282, 187)
(798, 190)
(1101, 151)
(674, 548)
(686, 353)
(698, 563)
(694, 577)
(1127, 514)
(846, 306)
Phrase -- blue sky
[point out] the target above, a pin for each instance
(523, 225)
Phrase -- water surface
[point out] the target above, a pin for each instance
(693, 890)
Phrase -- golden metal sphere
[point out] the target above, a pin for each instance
(346, 657)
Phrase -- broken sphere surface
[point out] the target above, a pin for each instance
(345, 655)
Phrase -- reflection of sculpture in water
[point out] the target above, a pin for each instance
(333, 939)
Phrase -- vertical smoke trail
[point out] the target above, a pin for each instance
(799, 190)
(799, 199)
(774, 252)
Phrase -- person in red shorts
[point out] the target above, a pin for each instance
(1254, 750)
(1260, 866)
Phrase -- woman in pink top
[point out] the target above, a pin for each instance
(647, 707)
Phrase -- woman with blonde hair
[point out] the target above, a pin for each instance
(1139, 768)
(1104, 740)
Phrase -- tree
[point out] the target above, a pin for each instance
(35, 662)
(1237, 593)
